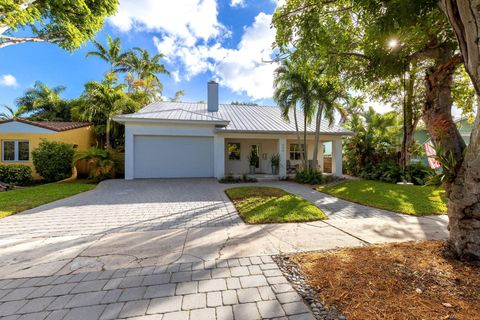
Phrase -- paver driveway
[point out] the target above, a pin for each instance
(121, 206)
(171, 249)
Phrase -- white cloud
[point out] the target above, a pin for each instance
(244, 69)
(8, 80)
(241, 69)
(237, 3)
(185, 20)
(191, 38)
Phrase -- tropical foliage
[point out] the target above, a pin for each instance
(11, 113)
(103, 100)
(67, 23)
(103, 163)
(43, 103)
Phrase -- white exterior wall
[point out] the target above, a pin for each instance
(268, 147)
(270, 144)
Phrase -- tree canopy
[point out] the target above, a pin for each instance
(68, 23)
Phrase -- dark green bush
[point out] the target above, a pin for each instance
(418, 173)
(309, 176)
(53, 160)
(17, 174)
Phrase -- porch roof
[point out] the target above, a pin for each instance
(230, 118)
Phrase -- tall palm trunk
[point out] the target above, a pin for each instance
(317, 135)
(305, 149)
(464, 191)
(107, 133)
(297, 130)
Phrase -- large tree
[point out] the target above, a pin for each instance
(464, 187)
(68, 23)
(358, 37)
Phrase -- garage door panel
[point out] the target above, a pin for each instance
(173, 157)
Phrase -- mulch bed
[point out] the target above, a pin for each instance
(414, 280)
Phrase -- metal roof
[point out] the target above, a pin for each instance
(235, 118)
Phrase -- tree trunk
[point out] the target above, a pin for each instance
(438, 107)
(317, 135)
(299, 141)
(107, 134)
(464, 192)
(305, 153)
(411, 120)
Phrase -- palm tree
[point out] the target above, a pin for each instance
(11, 113)
(103, 100)
(325, 95)
(178, 95)
(44, 103)
(150, 86)
(143, 65)
(292, 88)
(111, 54)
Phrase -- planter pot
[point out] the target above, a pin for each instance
(274, 170)
(252, 169)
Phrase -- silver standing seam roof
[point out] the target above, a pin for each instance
(229, 117)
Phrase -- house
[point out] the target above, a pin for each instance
(423, 138)
(178, 140)
(19, 137)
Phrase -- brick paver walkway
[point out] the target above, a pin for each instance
(245, 288)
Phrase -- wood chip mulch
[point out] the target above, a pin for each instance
(414, 280)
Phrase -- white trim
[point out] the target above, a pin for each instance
(178, 121)
(16, 150)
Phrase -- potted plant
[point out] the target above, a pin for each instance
(275, 163)
(253, 161)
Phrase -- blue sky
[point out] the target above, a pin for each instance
(224, 40)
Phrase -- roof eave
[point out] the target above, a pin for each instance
(337, 133)
(124, 120)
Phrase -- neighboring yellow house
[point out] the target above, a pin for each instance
(19, 137)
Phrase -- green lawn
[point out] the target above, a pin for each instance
(18, 200)
(413, 200)
(272, 205)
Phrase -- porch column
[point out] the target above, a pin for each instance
(320, 155)
(282, 152)
(219, 156)
(337, 157)
(129, 153)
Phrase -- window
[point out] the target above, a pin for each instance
(13, 150)
(296, 151)
(233, 151)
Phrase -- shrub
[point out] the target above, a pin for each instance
(103, 163)
(230, 178)
(309, 176)
(16, 174)
(418, 173)
(53, 160)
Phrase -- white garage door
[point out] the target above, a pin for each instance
(173, 157)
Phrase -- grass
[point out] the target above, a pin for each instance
(272, 205)
(413, 200)
(19, 200)
(413, 280)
